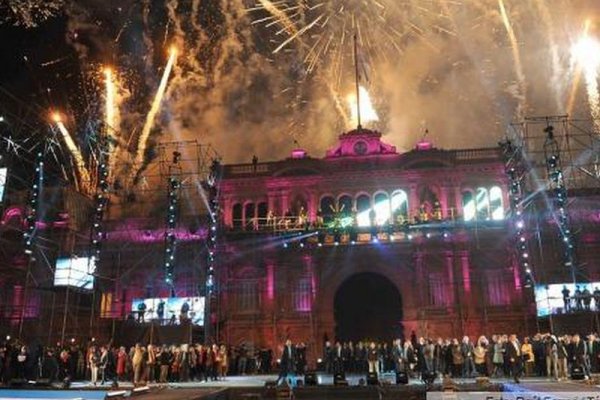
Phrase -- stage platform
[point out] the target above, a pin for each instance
(261, 387)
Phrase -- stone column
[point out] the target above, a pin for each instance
(413, 201)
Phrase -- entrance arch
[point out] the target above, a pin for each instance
(368, 306)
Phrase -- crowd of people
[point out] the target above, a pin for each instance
(139, 364)
(542, 355)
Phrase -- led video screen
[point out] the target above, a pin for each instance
(564, 298)
(75, 272)
(3, 178)
(169, 310)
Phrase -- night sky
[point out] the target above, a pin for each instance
(243, 84)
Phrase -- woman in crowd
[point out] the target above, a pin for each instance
(498, 358)
(93, 360)
(528, 358)
(223, 362)
(479, 356)
(121, 364)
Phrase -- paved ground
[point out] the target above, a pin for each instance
(256, 384)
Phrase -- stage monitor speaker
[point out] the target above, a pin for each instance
(310, 378)
(339, 379)
(43, 382)
(15, 383)
(372, 379)
(428, 377)
(401, 378)
(577, 373)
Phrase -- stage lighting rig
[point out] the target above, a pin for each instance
(34, 203)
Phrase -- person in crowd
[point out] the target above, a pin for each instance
(593, 353)
(164, 360)
(479, 356)
(373, 358)
(563, 356)
(513, 354)
(223, 362)
(466, 348)
(458, 359)
(149, 370)
(429, 355)
(587, 299)
(93, 364)
(498, 358)
(338, 359)
(566, 294)
(301, 358)
(328, 357)
(538, 344)
(528, 356)
(596, 295)
(121, 363)
(551, 353)
(287, 361)
(579, 354)
(242, 359)
(137, 359)
(398, 355)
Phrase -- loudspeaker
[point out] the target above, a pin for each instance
(310, 378)
(401, 378)
(17, 382)
(577, 373)
(43, 382)
(372, 379)
(428, 377)
(339, 379)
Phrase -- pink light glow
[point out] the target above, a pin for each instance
(298, 154)
(270, 282)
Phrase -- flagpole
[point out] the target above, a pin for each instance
(356, 77)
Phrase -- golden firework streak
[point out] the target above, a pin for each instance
(143, 140)
(82, 171)
(517, 58)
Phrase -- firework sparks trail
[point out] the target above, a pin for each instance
(111, 117)
(82, 171)
(517, 59)
(368, 114)
(110, 107)
(586, 53)
(145, 134)
(577, 73)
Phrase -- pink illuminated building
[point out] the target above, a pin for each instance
(452, 273)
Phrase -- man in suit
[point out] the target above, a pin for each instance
(593, 351)
(338, 359)
(288, 360)
(579, 353)
(328, 357)
(513, 354)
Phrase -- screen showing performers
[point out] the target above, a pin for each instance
(3, 177)
(564, 298)
(169, 310)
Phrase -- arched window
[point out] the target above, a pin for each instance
(345, 205)
(363, 208)
(263, 209)
(238, 218)
(468, 206)
(327, 207)
(483, 204)
(249, 214)
(382, 208)
(399, 205)
(496, 206)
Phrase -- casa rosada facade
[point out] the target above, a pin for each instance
(368, 243)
